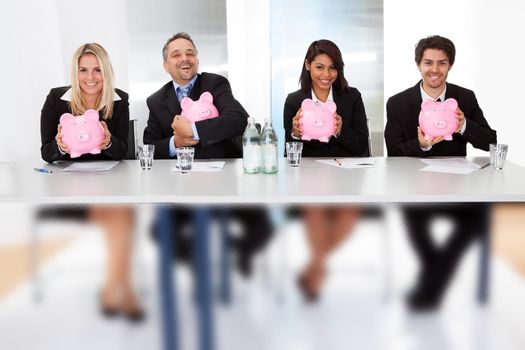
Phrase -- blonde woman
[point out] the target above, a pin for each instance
(92, 87)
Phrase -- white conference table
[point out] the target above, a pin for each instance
(392, 180)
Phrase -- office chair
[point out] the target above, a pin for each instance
(69, 214)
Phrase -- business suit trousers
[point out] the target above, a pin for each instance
(255, 229)
(438, 263)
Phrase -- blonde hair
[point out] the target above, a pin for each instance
(105, 100)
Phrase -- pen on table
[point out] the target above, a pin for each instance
(43, 170)
(484, 166)
(337, 161)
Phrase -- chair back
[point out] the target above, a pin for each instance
(132, 144)
(369, 137)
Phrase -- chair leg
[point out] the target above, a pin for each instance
(282, 267)
(484, 263)
(139, 240)
(387, 258)
(225, 260)
(34, 257)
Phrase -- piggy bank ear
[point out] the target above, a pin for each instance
(186, 103)
(308, 104)
(207, 97)
(331, 106)
(427, 104)
(66, 117)
(451, 104)
(91, 114)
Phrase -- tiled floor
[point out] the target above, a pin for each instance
(267, 312)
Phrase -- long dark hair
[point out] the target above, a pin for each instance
(329, 48)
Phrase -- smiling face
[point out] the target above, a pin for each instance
(90, 77)
(181, 61)
(434, 68)
(323, 74)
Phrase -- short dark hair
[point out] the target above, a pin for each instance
(329, 48)
(179, 35)
(438, 43)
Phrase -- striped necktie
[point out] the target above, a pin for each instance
(183, 91)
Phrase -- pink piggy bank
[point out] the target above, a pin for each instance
(438, 118)
(82, 134)
(199, 110)
(318, 122)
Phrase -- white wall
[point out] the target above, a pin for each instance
(38, 40)
(249, 55)
(489, 47)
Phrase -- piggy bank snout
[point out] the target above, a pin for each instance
(440, 124)
(205, 113)
(83, 136)
(318, 122)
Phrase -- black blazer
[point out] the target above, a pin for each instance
(353, 139)
(217, 135)
(402, 112)
(53, 109)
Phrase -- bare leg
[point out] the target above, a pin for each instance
(343, 221)
(317, 233)
(326, 227)
(117, 222)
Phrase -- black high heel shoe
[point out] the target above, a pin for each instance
(308, 294)
(109, 311)
(133, 314)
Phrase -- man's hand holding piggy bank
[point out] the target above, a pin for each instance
(438, 118)
(202, 109)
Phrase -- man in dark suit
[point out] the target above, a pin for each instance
(212, 138)
(166, 129)
(434, 57)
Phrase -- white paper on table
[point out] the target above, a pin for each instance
(349, 163)
(448, 170)
(451, 165)
(204, 166)
(91, 166)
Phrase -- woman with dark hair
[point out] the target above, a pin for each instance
(322, 80)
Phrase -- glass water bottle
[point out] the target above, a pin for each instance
(269, 149)
(251, 148)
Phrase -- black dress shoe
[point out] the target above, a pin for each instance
(308, 294)
(419, 301)
(244, 264)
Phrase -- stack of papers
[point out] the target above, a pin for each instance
(204, 166)
(451, 166)
(349, 163)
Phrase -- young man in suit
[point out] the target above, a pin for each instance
(212, 138)
(434, 58)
